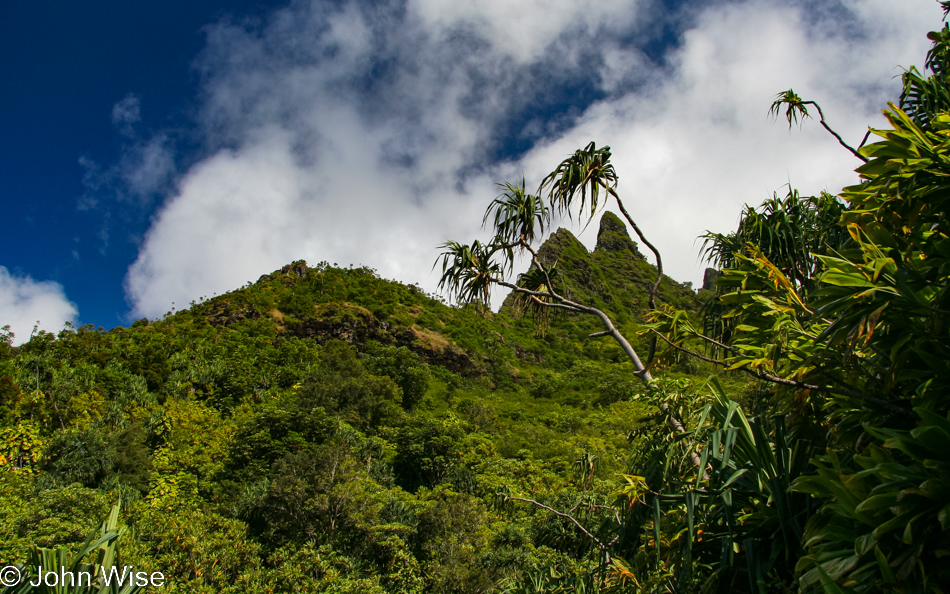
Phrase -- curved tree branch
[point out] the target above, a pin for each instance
(600, 545)
(841, 141)
(610, 330)
(656, 252)
(795, 108)
(659, 266)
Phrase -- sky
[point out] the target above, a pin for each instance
(155, 153)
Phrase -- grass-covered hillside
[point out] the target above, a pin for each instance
(326, 430)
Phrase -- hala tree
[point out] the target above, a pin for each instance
(584, 182)
(579, 186)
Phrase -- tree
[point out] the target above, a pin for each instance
(584, 180)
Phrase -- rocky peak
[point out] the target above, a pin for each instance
(294, 270)
(557, 244)
(613, 236)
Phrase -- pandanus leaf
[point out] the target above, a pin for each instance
(516, 215)
(587, 174)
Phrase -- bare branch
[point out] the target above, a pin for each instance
(610, 330)
(795, 108)
(821, 120)
(600, 545)
(689, 352)
(656, 252)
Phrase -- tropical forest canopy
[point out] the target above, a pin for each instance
(785, 429)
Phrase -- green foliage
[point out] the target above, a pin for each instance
(47, 518)
(321, 430)
(886, 300)
(132, 460)
(320, 494)
(790, 232)
(841, 305)
(517, 215)
(198, 551)
(743, 525)
(454, 530)
(326, 430)
(343, 387)
(83, 457)
(21, 447)
(406, 368)
(105, 547)
(587, 172)
(925, 96)
(428, 450)
(271, 434)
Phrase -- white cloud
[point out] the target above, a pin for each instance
(24, 302)
(145, 170)
(127, 112)
(691, 151)
(369, 135)
(524, 29)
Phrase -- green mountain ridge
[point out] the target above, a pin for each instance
(323, 429)
(357, 307)
(615, 277)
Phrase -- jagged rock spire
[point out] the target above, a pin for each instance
(613, 236)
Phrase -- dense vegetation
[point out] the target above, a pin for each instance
(327, 430)
(324, 429)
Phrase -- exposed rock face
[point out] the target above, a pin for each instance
(357, 325)
(338, 320)
(709, 279)
(613, 236)
(294, 270)
(224, 313)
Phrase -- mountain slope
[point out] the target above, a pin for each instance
(327, 430)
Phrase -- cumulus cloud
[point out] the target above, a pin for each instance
(25, 303)
(694, 149)
(369, 134)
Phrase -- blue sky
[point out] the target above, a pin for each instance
(65, 66)
(153, 153)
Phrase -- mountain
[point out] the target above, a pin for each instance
(615, 277)
(354, 305)
(327, 430)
